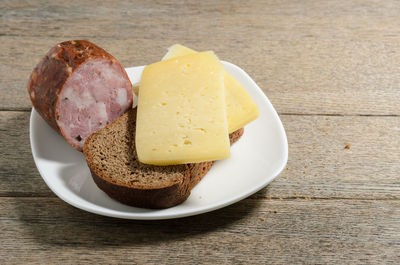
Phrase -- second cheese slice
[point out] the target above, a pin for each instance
(240, 107)
(181, 114)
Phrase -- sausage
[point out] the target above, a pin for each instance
(78, 88)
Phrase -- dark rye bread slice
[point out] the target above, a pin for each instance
(111, 156)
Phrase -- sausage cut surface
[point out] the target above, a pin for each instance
(78, 88)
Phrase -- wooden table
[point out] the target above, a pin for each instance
(330, 68)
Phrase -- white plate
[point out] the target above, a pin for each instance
(256, 159)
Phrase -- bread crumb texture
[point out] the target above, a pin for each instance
(111, 153)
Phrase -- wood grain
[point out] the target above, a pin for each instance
(304, 60)
(319, 165)
(359, 20)
(249, 232)
(330, 68)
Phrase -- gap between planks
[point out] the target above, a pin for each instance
(279, 113)
(253, 198)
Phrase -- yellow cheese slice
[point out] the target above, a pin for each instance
(240, 107)
(181, 116)
(177, 50)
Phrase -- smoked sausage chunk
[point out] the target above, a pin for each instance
(78, 88)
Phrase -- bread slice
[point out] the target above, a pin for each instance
(111, 156)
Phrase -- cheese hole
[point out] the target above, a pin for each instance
(163, 103)
(169, 150)
(175, 145)
(154, 149)
(187, 142)
(201, 129)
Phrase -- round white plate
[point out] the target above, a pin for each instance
(256, 159)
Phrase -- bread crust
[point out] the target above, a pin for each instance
(154, 198)
(146, 198)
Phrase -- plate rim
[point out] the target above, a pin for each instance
(152, 216)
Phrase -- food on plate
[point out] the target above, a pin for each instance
(111, 156)
(78, 88)
(190, 110)
(240, 107)
(181, 116)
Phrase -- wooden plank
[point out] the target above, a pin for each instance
(305, 60)
(319, 165)
(190, 19)
(249, 232)
(357, 78)
(19, 176)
